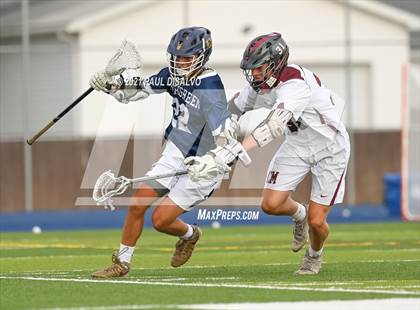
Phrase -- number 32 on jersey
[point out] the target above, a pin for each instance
(180, 116)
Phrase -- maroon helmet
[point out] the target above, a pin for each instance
(271, 49)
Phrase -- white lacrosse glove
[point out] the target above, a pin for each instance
(230, 152)
(101, 81)
(216, 162)
(121, 77)
(272, 127)
(205, 167)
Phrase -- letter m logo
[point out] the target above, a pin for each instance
(272, 177)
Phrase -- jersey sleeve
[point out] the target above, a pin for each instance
(245, 100)
(214, 104)
(158, 83)
(294, 95)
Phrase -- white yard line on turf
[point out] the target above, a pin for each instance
(174, 278)
(321, 283)
(277, 283)
(118, 307)
(49, 256)
(53, 271)
(218, 285)
(392, 250)
(371, 304)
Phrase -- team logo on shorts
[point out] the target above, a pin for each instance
(272, 177)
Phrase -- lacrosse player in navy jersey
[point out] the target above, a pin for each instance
(200, 115)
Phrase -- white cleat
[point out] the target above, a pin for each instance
(310, 265)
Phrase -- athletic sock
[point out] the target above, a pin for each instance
(300, 213)
(125, 253)
(188, 234)
(313, 253)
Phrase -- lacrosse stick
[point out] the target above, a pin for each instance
(108, 186)
(127, 57)
(59, 116)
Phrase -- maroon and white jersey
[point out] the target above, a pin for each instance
(316, 119)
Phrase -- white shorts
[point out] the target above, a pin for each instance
(328, 168)
(182, 190)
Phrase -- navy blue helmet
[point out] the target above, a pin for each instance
(188, 51)
(268, 49)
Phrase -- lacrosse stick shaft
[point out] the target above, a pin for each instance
(58, 117)
(159, 176)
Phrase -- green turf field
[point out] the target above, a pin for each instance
(231, 264)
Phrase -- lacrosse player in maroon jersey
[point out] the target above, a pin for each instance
(316, 141)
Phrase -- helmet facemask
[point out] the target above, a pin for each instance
(266, 77)
(184, 70)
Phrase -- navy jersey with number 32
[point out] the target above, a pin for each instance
(199, 110)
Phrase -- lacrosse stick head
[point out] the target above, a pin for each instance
(127, 57)
(107, 186)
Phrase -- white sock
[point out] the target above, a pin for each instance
(125, 253)
(188, 234)
(313, 253)
(300, 213)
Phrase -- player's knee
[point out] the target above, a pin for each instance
(159, 222)
(137, 211)
(267, 207)
(316, 223)
(270, 206)
(273, 204)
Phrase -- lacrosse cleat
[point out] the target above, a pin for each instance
(310, 265)
(116, 270)
(184, 248)
(300, 233)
